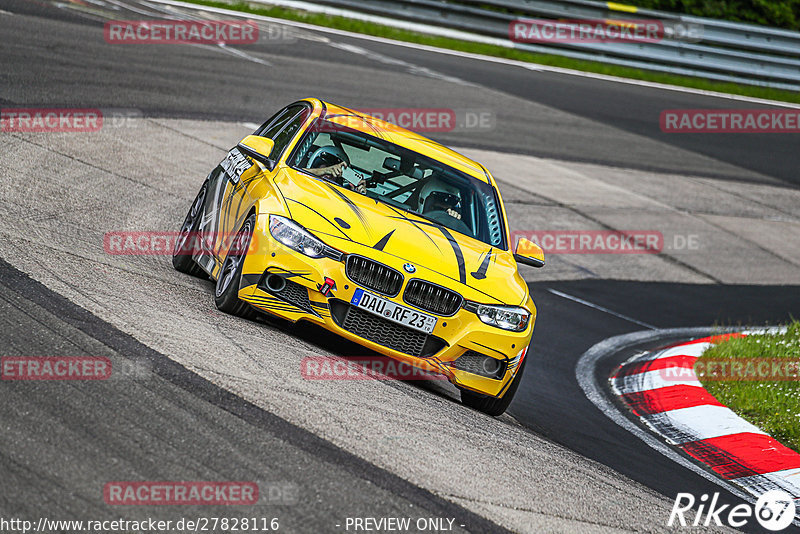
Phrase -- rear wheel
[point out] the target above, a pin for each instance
(493, 406)
(226, 293)
(187, 237)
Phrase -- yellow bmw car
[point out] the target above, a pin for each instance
(373, 232)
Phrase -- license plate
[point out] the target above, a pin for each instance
(393, 312)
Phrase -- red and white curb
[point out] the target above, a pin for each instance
(661, 388)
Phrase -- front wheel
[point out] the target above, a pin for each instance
(226, 293)
(187, 238)
(493, 406)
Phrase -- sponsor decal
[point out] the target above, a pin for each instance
(327, 287)
(235, 164)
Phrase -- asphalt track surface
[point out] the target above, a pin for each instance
(53, 64)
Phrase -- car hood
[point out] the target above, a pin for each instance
(355, 223)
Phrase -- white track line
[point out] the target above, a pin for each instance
(480, 57)
(600, 308)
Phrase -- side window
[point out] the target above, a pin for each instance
(282, 127)
(288, 131)
(277, 121)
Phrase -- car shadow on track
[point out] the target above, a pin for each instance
(326, 341)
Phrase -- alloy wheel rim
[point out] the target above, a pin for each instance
(188, 222)
(233, 260)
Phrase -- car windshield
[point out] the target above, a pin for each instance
(401, 178)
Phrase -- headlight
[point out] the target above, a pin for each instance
(296, 237)
(506, 317)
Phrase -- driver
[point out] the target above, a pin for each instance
(331, 161)
(438, 195)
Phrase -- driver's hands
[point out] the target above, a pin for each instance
(337, 170)
(360, 187)
(334, 171)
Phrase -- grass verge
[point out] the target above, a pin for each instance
(368, 28)
(773, 406)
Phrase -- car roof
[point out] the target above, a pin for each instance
(365, 123)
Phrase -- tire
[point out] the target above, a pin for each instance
(226, 292)
(493, 406)
(182, 253)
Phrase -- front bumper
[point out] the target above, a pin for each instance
(451, 338)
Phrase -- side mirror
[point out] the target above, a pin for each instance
(258, 148)
(529, 253)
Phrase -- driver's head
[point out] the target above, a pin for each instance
(438, 195)
(327, 156)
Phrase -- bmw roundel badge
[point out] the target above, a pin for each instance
(409, 268)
